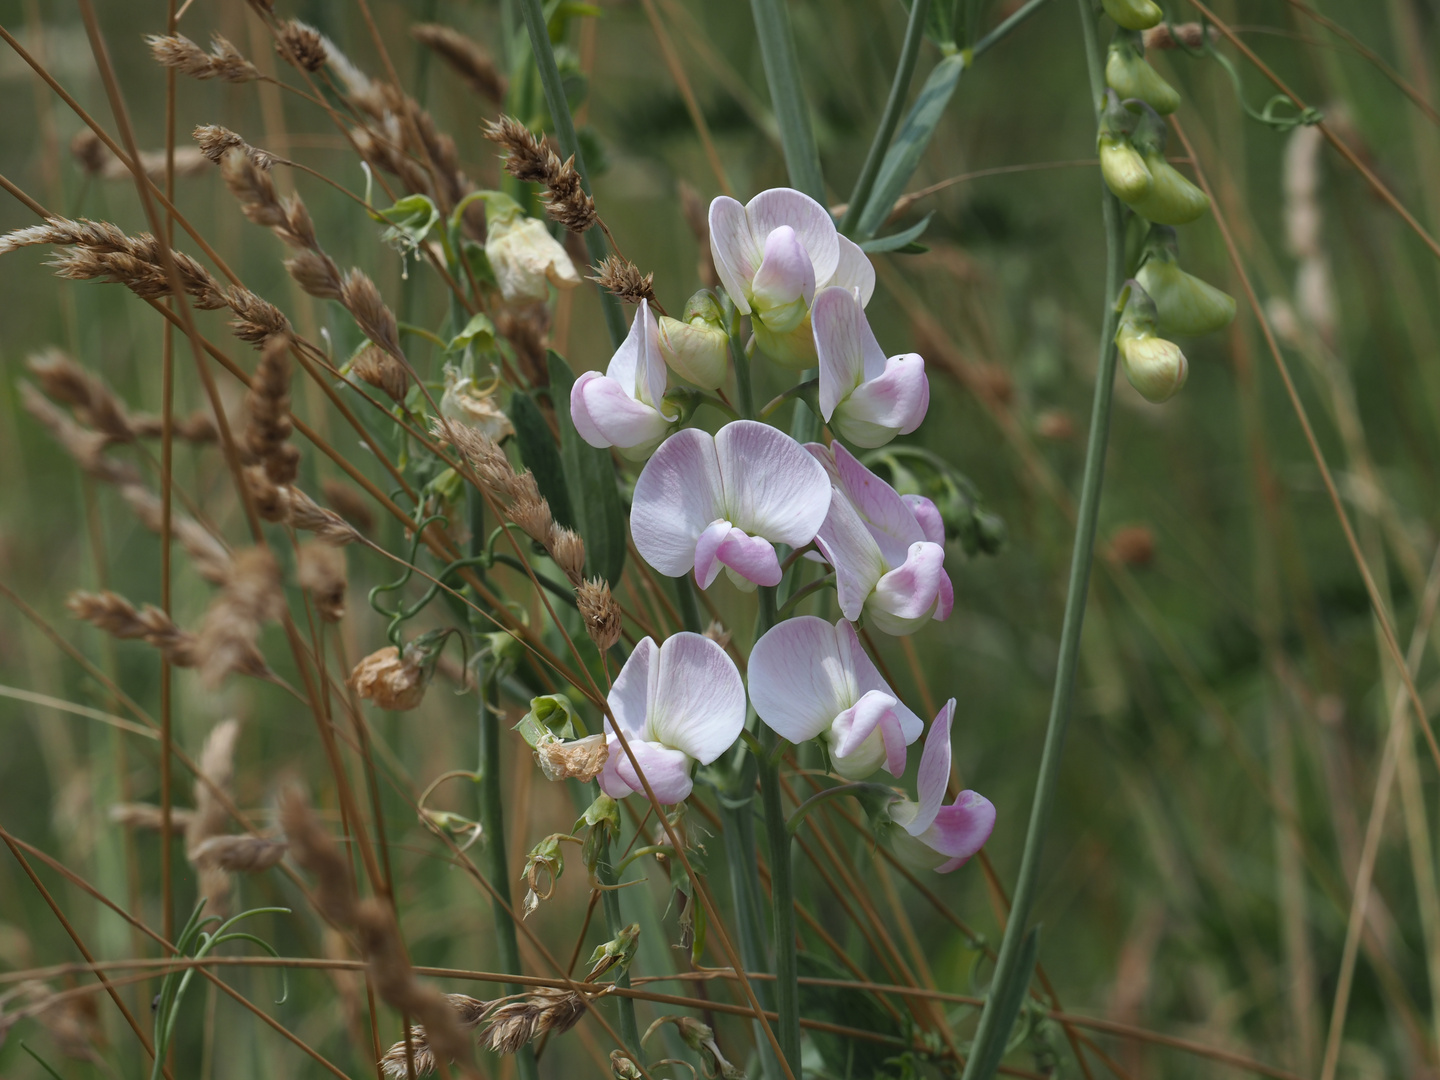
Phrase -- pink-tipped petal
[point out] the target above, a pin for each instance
(867, 677)
(734, 248)
(928, 516)
(613, 415)
(677, 496)
(629, 697)
(934, 772)
(857, 723)
(848, 547)
(854, 273)
(892, 404)
(699, 704)
(580, 413)
(890, 521)
(798, 680)
(752, 557)
(786, 274)
(912, 590)
(893, 735)
(707, 553)
(667, 769)
(812, 223)
(773, 488)
(844, 344)
(946, 601)
(960, 829)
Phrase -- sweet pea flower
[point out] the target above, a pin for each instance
(706, 503)
(931, 836)
(625, 407)
(676, 703)
(889, 559)
(526, 259)
(772, 254)
(864, 397)
(809, 679)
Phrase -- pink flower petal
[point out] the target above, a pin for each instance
(911, 591)
(857, 723)
(699, 704)
(736, 252)
(786, 274)
(894, 403)
(890, 521)
(893, 735)
(934, 774)
(845, 345)
(752, 557)
(946, 601)
(798, 680)
(773, 488)
(812, 223)
(668, 771)
(707, 551)
(629, 697)
(848, 547)
(677, 496)
(928, 516)
(605, 415)
(651, 374)
(960, 829)
(867, 677)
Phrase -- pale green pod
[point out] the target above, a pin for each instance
(1185, 305)
(1134, 14)
(1130, 76)
(1155, 367)
(1171, 200)
(1124, 170)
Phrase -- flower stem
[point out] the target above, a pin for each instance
(744, 392)
(904, 70)
(782, 73)
(782, 907)
(994, 1029)
(615, 921)
(532, 11)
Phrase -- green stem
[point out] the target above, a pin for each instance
(534, 15)
(615, 921)
(738, 814)
(890, 118)
(744, 392)
(782, 908)
(689, 606)
(782, 73)
(994, 1030)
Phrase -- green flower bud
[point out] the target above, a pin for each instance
(1124, 170)
(1171, 200)
(1155, 367)
(697, 348)
(1130, 76)
(1134, 14)
(794, 348)
(1185, 304)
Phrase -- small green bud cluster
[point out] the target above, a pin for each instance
(1162, 299)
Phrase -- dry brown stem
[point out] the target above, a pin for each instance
(315, 850)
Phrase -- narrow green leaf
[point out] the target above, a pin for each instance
(590, 476)
(901, 240)
(1007, 1008)
(541, 456)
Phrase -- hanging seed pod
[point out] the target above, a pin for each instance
(1124, 170)
(1185, 305)
(1171, 200)
(1129, 74)
(1155, 367)
(1134, 14)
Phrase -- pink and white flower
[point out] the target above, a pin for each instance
(676, 703)
(930, 835)
(707, 503)
(864, 397)
(888, 553)
(772, 254)
(809, 680)
(625, 406)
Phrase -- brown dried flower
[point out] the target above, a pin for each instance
(213, 140)
(578, 759)
(380, 369)
(466, 57)
(532, 514)
(390, 680)
(223, 61)
(119, 617)
(268, 426)
(320, 568)
(303, 512)
(362, 299)
(527, 158)
(568, 550)
(624, 279)
(316, 273)
(486, 459)
(717, 633)
(1190, 35)
(469, 1012)
(315, 850)
(302, 45)
(238, 854)
(546, 1010)
(600, 612)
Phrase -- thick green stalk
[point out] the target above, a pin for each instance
(904, 70)
(689, 607)
(534, 15)
(787, 95)
(994, 1029)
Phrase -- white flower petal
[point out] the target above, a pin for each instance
(812, 223)
(799, 681)
(879, 505)
(629, 697)
(734, 248)
(855, 272)
(699, 703)
(848, 547)
(842, 342)
(677, 497)
(773, 488)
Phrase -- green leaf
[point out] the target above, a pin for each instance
(915, 133)
(479, 330)
(550, 716)
(590, 476)
(540, 455)
(410, 221)
(898, 241)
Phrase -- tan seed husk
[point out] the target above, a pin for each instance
(389, 679)
(465, 56)
(602, 615)
(238, 854)
(623, 278)
(250, 598)
(320, 568)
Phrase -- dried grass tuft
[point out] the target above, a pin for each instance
(465, 55)
(623, 278)
(315, 850)
(238, 854)
(120, 618)
(600, 613)
(223, 61)
(302, 45)
(469, 1012)
(528, 159)
(213, 140)
(250, 598)
(545, 1011)
(320, 568)
(381, 370)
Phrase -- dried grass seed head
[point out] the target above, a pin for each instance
(223, 61)
(469, 1013)
(250, 598)
(302, 45)
(207, 554)
(149, 817)
(362, 299)
(315, 850)
(238, 854)
(268, 424)
(486, 459)
(544, 1011)
(316, 273)
(380, 369)
(306, 514)
(119, 617)
(320, 569)
(602, 615)
(568, 550)
(93, 403)
(466, 57)
(213, 140)
(624, 279)
(350, 503)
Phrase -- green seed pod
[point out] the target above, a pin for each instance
(1134, 14)
(1185, 305)
(1155, 367)
(1130, 76)
(1121, 165)
(1171, 200)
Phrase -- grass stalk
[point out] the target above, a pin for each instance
(994, 1030)
(782, 904)
(787, 96)
(615, 922)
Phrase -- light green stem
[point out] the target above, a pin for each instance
(782, 907)
(534, 15)
(782, 73)
(904, 70)
(741, 861)
(615, 922)
(994, 1030)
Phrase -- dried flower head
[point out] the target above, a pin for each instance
(600, 612)
(251, 597)
(624, 279)
(302, 45)
(149, 817)
(532, 514)
(717, 633)
(117, 616)
(578, 759)
(304, 513)
(238, 854)
(268, 425)
(213, 140)
(466, 57)
(93, 403)
(380, 369)
(320, 568)
(315, 850)
(349, 502)
(489, 463)
(568, 550)
(390, 680)
(469, 1012)
(211, 817)
(527, 158)
(362, 299)
(546, 1010)
(223, 61)
(316, 273)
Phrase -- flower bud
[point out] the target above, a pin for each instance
(1184, 304)
(1124, 170)
(1134, 14)
(1155, 367)
(551, 717)
(697, 347)
(524, 257)
(623, 1068)
(1171, 200)
(467, 403)
(1128, 74)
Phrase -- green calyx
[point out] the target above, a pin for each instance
(1131, 76)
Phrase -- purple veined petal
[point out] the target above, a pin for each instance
(601, 407)
(699, 702)
(707, 552)
(752, 557)
(844, 344)
(677, 496)
(856, 724)
(848, 547)
(885, 514)
(892, 404)
(798, 680)
(629, 697)
(773, 488)
(893, 735)
(960, 829)
(927, 514)
(786, 274)
(667, 769)
(812, 223)
(734, 248)
(826, 457)
(934, 774)
(855, 272)
(912, 590)
(867, 677)
(610, 780)
(945, 603)
(651, 373)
